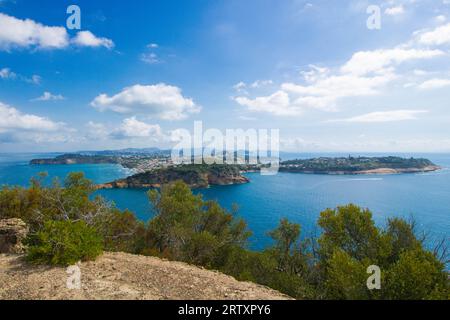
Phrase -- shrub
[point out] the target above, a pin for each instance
(64, 243)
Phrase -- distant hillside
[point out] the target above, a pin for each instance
(359, 165)
(125, 276)
(73, 158)
(196, 176)
(128, 151)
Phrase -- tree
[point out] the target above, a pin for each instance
(64, 243)
(190, 229)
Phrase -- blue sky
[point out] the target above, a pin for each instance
(139, 70)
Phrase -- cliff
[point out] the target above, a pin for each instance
(117, 276)
(196, 176)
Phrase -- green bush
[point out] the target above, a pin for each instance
(64, 243)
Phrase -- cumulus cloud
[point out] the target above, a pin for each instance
(261, 83)
(434, 84)
(130, 128)
(47, 96)
(88, 39)
(366, 73)
(11, 118)
(384, 116)
(97, 131)
(6, 73)
(16, 126)
(322, 94)
(26, 33)
(364, 62)
(278, 103)
(438, 36)
(133, 128)
(159, 101)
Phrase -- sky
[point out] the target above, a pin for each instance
(138, 71)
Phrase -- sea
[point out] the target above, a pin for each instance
(424, 197)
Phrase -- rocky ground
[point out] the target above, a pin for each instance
(124, 276)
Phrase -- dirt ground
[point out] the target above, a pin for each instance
(124, 276)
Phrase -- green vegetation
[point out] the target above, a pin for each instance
(357, 164)
(64, 243)
(69, 224)
(195, 176)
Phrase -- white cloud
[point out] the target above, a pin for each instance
(314, 73)
(261, 83)
(35, 79)
(13, 119)
(19, 33)
(278, 104)
(322, 94)
(364, 62)
(47, 96)
(340, 86)
(6, 73)
(130, 128)
(393, 11)
(384, 116)
(240, 87)
(152, 45)
(159, 101)
(133, 128)
(88, 39)
(150, 58)
(440, 18)
(434, 84)
(19, 127)
(96, 131)
(27, 33)
(438, 36)
(366, 73)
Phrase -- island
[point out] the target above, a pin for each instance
(196, 176)
(358, 165)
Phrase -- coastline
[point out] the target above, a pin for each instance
(379, 171)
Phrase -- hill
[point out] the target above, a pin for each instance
(196, 176)
(125, 276)
(359, 165)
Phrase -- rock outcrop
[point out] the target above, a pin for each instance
(12, 233)
(116, 276)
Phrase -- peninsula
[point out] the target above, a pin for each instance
(196, 176)
(359, 165)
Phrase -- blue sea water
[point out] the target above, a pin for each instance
(298, 197)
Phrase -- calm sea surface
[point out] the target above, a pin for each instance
(299, 197)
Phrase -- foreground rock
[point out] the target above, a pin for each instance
(125, 276)
(12, 233)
